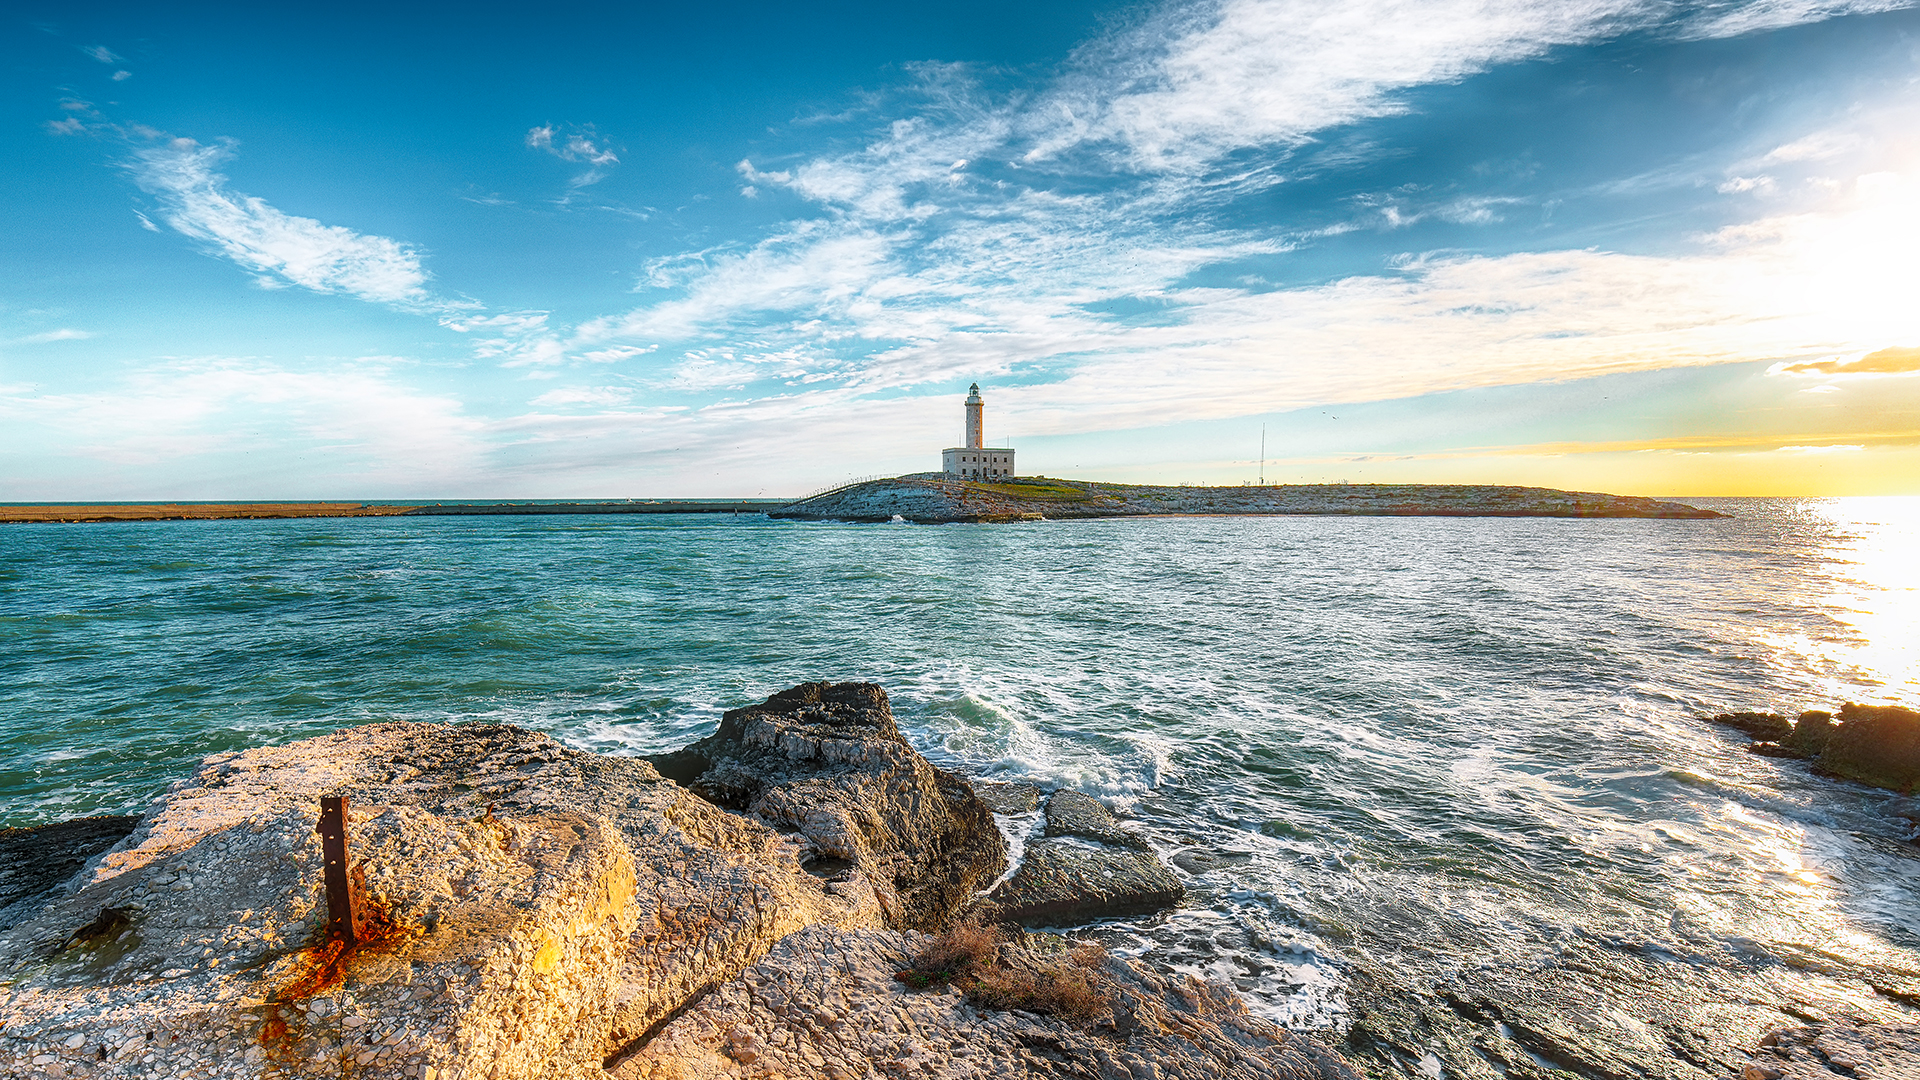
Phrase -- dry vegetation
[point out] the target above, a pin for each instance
(997, 974)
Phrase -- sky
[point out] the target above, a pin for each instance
(1656, 247)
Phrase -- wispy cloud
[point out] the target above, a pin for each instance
(62, 334)
(579, 144)
(280, 248)
(994, 237)
(1895, 360)
(354, 425)
(102, 54)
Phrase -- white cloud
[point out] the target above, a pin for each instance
(580, 144)
(278, 247)
(122, 76)
(605, 396)
(102, 54)
(62, 334)
(1718, 20)
(353, 429)
(1740, 184)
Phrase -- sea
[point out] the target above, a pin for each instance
(1470, 819)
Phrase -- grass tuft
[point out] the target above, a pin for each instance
(974, 958)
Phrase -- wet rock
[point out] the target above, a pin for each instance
(1766, 727)
(1842, 1048)
(34, 861)
(1069, 813)
(826, 761)
(1877, 745)
(1810, 733)
(1198, 860)
(777, 1020)
(1008, 798)
(1066, 882)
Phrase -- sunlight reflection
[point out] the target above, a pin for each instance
(1875, 594)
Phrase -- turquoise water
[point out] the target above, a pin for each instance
(1446, 746)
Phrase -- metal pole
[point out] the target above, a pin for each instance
(333, 850)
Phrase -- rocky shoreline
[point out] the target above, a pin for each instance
(521, 910)
(785, 898)
(934, 498)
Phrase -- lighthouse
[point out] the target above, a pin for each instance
(976, 460)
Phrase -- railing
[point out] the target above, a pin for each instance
(841, 486)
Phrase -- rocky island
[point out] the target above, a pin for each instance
(936, 498)
(797, 895)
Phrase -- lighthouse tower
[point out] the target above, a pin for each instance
(976, 460)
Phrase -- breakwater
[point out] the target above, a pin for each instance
(94, 512)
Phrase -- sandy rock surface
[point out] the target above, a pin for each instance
(531, 908)
(825, 1005)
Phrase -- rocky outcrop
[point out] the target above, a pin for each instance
(933, 498)
(1841, 1048)
(1877, 745)
(522, 910)
(827, 1006)
(521, 905)
(826, 761)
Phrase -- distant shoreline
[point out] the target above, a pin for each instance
(77, 513)
(933, 498)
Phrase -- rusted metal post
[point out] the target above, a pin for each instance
(333, 849)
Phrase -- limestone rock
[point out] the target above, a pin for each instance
(1877, 745)
(824, 1005)
(1070, 813)
(1008, 798)
(826, 761)
(1065, 882)
(1880, 1051)
(529, 911)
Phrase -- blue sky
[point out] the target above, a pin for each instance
(1651, 247)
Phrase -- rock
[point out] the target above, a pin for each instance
(34, 861)
(1841, 1048)
(1196, 860)
(1877, 745)
(1810, 733)
(526, 906)
(1766, 727)
(1065, 882)
(1069, 813)
(1008, 798)
(826, 761)
(825, 1006)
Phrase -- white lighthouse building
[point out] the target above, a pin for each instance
(976, 460)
